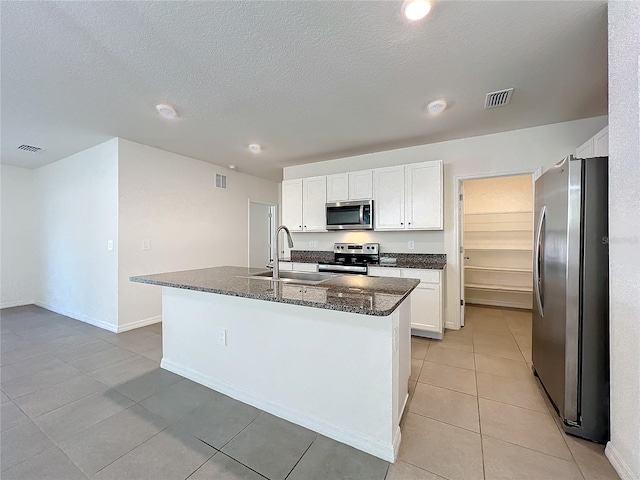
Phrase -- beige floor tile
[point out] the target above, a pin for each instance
(488, 338)
(445, 450)
(521, 393)
(445, 376)
(448, 356)
(523, 341)
(419, 348)
(502, 367)
(464, 332)
(416, 365)
(404, 471)
(526, 353)
(505, 461)
(523, 427)
(444, 405)
(502, 351)
(591, 459)
(456, 343)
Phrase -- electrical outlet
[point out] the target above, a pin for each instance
(310, 243)
(222, 337)
(411, 245)
(146, 245)
(315, 244)
(109, 244)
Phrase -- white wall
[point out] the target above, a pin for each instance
(17, 245)
(76, 203)
(171, 200)
(499, 195)
(517, 151)
(624, 236)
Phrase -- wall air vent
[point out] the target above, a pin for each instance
(498, 99)
(29, 148)
(221, 181)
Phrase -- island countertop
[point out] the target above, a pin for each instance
(378, 296)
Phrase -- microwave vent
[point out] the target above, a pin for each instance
(498, 99)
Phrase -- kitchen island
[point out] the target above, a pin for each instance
(333, 356)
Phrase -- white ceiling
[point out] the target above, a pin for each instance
(309, 80)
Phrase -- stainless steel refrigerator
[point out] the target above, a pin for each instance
(570, 348)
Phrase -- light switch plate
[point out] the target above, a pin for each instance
(109, 244)
(146, 245)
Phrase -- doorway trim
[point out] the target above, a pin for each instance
(273, 211)
(459, 220)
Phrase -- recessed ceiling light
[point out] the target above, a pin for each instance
(167, 111)
(436, 107)
(416, 9)
(255, 147)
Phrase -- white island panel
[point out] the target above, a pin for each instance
(344, 375)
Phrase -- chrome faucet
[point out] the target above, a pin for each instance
(276, 261)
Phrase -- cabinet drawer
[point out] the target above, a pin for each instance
(385, 272)
(285, 265)
(425, 276)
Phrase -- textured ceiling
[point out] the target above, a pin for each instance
(309, 80)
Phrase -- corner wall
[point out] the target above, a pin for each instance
(17, 245)
(76, 214)
(511, 152)
(624, 236)
(172, 201)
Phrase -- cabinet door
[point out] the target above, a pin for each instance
(424, 196)
(285, 265)
(388, 196)
(292, 204)
(338, 187)
(426, 311)
(361, 185)
(314, 190)
(601, 143)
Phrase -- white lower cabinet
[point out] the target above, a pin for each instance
(426, 300)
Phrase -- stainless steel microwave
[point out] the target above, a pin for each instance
(357, 215)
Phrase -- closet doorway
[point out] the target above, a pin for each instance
(497, 239)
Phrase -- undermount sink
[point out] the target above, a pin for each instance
(294, 277)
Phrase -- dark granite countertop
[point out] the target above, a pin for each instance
(346, 293)
(435, 261)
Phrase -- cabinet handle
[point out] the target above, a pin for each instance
(409, 223)
(401, 223)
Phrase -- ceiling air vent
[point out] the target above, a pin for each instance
(221, 181)
(498, 99)
(29, 148)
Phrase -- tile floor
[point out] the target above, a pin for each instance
(79, 402)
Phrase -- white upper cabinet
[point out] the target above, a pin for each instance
(424, 196)
(338, 187)
(389, 198)
(314, 198)
(596, 146)
(408, 197)
(361, 185)
(292, 204)
(350, 186)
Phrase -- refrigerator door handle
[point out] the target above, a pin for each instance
(537, 284)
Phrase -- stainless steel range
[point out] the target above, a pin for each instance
(352, 258)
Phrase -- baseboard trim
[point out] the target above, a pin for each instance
(618, 463)
(83, 318)
(17, 303)
(387, 452)
(139, 323)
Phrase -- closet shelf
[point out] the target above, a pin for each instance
(501, 288)
(500, 269)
